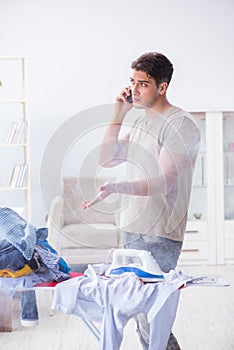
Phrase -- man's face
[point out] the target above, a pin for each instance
(145, 92)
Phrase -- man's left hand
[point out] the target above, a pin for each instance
(105, 190)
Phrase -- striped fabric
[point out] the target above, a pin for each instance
(18, 232)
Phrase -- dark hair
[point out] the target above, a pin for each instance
(155, 65)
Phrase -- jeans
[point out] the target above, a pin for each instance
(166, 252)
(29, 310)
(12, 258)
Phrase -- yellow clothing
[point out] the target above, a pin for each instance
(26, 270)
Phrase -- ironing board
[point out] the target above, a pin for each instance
(164, 294)
(6, 300)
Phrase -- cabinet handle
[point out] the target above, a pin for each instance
(190, 250)
(192, 231)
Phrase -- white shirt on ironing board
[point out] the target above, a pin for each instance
(113, 301)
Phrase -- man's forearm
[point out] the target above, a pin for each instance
(144, 187)
(154, 186)
(111, 145)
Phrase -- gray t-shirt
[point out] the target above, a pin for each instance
(175, 132)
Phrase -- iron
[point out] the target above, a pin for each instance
(139, 262)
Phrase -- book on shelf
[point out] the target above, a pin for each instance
(11, 133)
(18, 175)
(16, 133)
(22, 175)
(14, 175)
(20, 132)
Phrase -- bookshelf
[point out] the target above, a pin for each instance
(15, 184)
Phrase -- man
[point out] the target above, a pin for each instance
(160, 152)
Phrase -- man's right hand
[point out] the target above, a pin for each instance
(113, 151)
(122, 106)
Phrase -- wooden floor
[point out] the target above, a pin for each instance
(205, 321)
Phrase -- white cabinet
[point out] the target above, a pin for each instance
(227, 190)
(209, 237)
(14, 136)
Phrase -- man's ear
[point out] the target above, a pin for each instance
(163, 88)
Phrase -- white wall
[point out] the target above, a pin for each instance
(79, 53)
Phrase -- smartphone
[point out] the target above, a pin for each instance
(129, 98)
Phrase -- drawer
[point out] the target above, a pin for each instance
(196, 230)
(229, 249)
(229, 229)
(194, 251)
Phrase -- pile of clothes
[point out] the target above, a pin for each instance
(25, 251)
